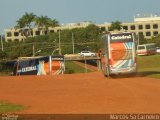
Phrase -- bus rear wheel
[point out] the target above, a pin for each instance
(107, 73)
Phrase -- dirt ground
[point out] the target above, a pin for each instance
(82, 93)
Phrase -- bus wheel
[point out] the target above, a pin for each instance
(107, 72)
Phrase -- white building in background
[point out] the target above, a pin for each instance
(13, 34)
(148, 25)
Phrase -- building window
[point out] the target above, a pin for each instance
(51, 31)
(125, 27)
(148, 27)
(16, 34)
(155, 26)
(140, 27)
(59, 30)
(148, 33)
(9, 34)
(133, 27)
(37, 32)
(155, 33)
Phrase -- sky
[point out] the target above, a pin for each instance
(74, 11)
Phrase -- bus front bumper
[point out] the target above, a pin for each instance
(123, 70)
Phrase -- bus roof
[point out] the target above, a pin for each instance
(119, 32)
(147, 44)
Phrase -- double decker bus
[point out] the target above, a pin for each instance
(118, 53)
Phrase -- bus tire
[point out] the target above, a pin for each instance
(107, 73)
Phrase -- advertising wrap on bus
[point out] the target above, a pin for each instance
(40, 66)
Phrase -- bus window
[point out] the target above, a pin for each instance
(150, 46)
(141, 47)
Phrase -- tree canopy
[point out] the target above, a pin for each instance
(88, 37)
(30, 20)
(83, 38)
(117, 25)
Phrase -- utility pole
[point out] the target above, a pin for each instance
(138, 38)
(33, 50)
(59, 43)
(85, 64)
(2, 42)
(73, 41)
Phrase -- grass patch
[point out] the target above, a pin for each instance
(149, 65)
(71, 67)
(9, 107)
(5, 73)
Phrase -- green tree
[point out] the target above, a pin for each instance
(155, 40)
(29, 18)
(2, 55)
(117, 25)
(92, 32)
(25, 24)
(21, 25)
(141, 38)
(52, 22)
(43, 23)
